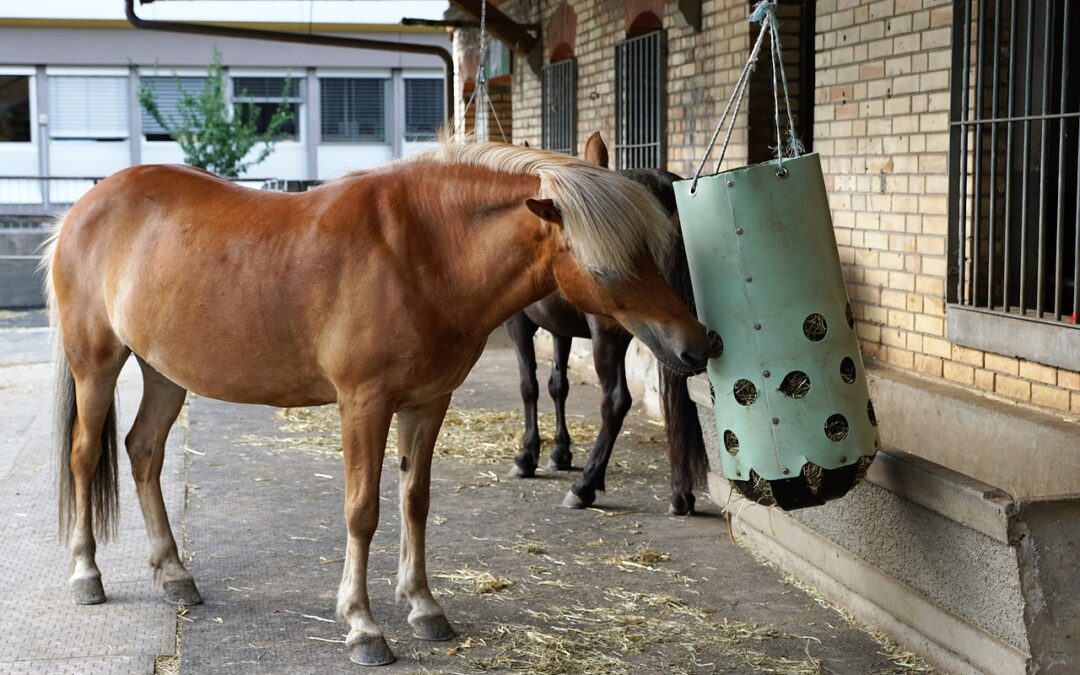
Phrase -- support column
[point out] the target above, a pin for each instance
(313, 137)
(41, 94)
(134, 118)
(396, 128)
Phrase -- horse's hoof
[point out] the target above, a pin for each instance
(518, 472)
(88, 591)
(182, 592)
(681, 506)
(435, 628)
(560, 463)
(370, 650)
(572, 501)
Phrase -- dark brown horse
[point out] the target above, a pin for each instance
(377, 291)
(686, 447)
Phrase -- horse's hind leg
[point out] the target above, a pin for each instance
(89, 477)
(161, 403)
(609, 357)
(417, 431)
(559, 387)
(521, 330)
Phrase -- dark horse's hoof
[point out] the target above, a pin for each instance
(88, 591)
(516, 471)
(573, 501)
(435, 628)
(370, 650)
(182, 592)
(681, 505)
(562, 463)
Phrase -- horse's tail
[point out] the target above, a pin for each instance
(686, 445)
(103, 487)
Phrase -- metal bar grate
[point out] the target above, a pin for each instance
(1014, 210)
(640, 109)
(558, 84)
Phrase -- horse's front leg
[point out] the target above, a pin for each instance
(559, 387)
(521, 330)
(364, 425)
(417, 431)
(609, 357)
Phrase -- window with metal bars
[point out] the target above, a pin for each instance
(640, 115)
(1014, 188)
(558, 87)
(353, 109)
(264, 95)
(425, 108)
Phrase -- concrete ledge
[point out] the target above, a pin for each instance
(869, 594)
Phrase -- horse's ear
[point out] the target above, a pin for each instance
(546, 210)
(595, 150)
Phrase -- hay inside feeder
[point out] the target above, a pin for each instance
(815, 327)
(836, 427)
(796, 384)
(745, 392)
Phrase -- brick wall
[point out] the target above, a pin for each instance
(882, 118)
(881, 112)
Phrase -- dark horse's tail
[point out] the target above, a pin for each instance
(686, 445)
(103, 486)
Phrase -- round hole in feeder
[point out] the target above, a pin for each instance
(796, 384)
(731, 442)
(849, 315)
(847, 370)
(745, 392)
(836, 427)
(870, 413)
(815, 327)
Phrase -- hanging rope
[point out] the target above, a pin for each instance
(481, 89)
(764, 13)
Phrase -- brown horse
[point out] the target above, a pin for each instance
(377, 291)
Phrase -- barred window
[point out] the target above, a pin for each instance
(265, 95)
(425, 108)
(167, 93)
(640, 115)
(353, 109)
(558, 84)
(1014, 183)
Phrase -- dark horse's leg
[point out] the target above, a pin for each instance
(559, 387)
(610, 342)
(521, 330)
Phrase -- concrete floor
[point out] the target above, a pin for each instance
(263, 528)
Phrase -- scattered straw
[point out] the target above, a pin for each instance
(644, 558)
(481, 583)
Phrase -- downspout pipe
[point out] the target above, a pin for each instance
(300, 38)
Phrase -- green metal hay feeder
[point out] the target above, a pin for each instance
(792, 405)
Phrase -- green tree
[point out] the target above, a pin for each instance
(212, 136)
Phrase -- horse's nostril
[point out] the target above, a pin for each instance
(716, 345)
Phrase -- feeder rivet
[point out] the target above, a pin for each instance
(738, 230)
(776, 420)
(749, 279)
(843, 458)
(731, 183)
(757, 326)
(785, 471)
(766, 373)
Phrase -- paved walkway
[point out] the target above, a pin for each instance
(529, 586)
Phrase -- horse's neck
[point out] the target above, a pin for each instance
(505, 266)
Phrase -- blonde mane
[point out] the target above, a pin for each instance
(608, 220)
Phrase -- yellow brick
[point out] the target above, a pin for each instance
(1038, 372)
(958, 372)
(972, 357)
(899, 357)
(1012, 387)
(984, 379)
(937, 347)
(1002, 364)
(1049, 397)
(930, 365)
(1068, 379)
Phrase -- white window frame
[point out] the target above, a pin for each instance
(78, 71)
(380, 75)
